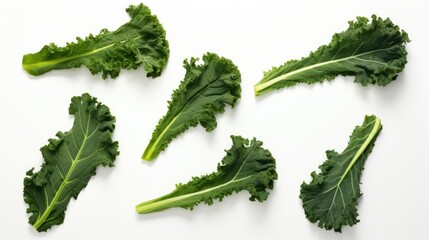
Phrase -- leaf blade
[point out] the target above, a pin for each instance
(203, 93)
(331, 197)
(247, 166)
(140, 41)
(372, 52)
(49, 191)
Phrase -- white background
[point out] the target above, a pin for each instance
(296, 124)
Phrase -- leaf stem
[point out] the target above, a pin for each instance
(148, 154)
(372, 134)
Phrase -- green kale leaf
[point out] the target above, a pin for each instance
(246, 166)
(372, 51)
(203, 93)
(140, 41)
(70, 161)
(331, 197)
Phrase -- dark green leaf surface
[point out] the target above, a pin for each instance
(246, 166)
(70, 161)
(331, 197)
(371, 50)
(140, 41)
(203, 93)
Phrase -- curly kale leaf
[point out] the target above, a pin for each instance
(331, 197)
(246, 166)
(70, 161)
(203, 93)
(372, 51)
(140, 41)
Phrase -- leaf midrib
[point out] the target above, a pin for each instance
(371, 135)
(262, 86)
(142, 208)
(42, 64)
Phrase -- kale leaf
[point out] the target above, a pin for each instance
(140, 41)
(70, 161)
(331, 197)
(246, 166)
(203, 93)
(372, 51)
